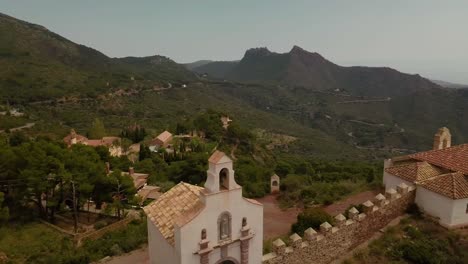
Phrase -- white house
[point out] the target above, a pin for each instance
(440, 177)
(211, 225)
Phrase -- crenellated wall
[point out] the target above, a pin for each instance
(330, 242)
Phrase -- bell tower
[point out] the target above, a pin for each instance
(220, 174)
(442, 139)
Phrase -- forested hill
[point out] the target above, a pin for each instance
(300, 68)
(37, 64)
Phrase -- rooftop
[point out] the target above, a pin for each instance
(454, 158)
(217, 156)
(172, 206)
(416, 171)
(443, 171)
(452, 185)
(164, 136)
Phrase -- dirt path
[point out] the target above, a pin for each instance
(341, 206)
(28, 125)
(276, 222)
(139, 256)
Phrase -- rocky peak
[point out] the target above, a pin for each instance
(257, 52)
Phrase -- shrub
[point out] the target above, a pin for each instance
(312, 217)
(100, 224)
(413, 209)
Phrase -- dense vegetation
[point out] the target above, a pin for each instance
(36, 243)
(417, 241)
(310, 182)
(40, 169)
(310, 218)
(36, 64)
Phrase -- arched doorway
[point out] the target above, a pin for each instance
(224, 179)
(228, 260)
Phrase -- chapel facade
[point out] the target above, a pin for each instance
(213, 224)
(440, 177)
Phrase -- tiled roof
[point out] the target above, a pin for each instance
(108, 141)
(452, 185)
(216, 156)
(79, 138)
(415, 171)
(453, 158)
(164, 136)
(172, 206)
(94, 142)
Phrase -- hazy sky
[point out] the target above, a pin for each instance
(429, 37)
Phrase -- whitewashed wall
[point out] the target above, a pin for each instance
(391, 182)
(435, 205)
(459, 215)
(188, 236)
(160, 251)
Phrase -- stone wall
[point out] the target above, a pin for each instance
(93, 235)
(330, 242)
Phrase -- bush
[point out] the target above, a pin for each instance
(413, 209)
(100, 224)
(312, 217)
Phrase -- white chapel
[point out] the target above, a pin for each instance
(212, 225)
(440, 177)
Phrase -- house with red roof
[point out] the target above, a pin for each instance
(440, 177)
(161, 141)
(112, 143)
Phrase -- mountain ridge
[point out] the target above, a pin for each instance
(38, 64)
(299, 67)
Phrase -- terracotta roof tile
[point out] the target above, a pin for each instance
(452, 185)
(416, 171)
(176, 204)
(453, 158)
(216, 156)
(164, 136)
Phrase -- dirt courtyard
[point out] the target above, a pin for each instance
(341, 206)
(276, 222)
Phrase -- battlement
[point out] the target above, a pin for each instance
(332, 241)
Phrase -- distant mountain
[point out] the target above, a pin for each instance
(450, 85)
(196, 64)
(37, 64)
(216, 69)
(300, 68)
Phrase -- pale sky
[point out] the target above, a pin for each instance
(429, 37)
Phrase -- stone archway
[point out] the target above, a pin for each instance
(228, 260)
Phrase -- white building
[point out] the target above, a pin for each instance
(210, 225)
(440, 177)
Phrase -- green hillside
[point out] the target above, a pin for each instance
(334, 111)
(36, 64)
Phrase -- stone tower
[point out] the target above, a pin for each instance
(442, 139)
(274, 184)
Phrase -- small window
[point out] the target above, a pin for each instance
(275, 183)
(466, 209)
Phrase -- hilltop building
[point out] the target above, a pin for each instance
(112, 143)
(440, 177)
(161, 141)
(211, 225)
